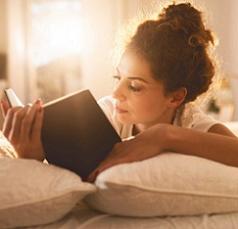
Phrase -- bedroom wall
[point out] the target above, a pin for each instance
(102, 20)
(222, 17)
(233, 48)
(3, 27)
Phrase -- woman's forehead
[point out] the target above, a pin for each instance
(134, 65)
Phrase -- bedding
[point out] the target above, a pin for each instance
(233, 126)
(33, 193)
(84, 218)
(68, 215)
(167, 185)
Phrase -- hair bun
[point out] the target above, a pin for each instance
(184, 17)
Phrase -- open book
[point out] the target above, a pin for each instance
(76, 134)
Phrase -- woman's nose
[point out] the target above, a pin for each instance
(118, 92)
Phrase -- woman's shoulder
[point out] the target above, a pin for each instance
(192, 116)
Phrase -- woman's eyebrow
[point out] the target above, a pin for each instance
(137, 78)
(133, 77)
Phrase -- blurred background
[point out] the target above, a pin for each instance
(49, 48)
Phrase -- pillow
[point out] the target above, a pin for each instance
(233, 126)
(6, 149)
(167, 185)
(33, 193)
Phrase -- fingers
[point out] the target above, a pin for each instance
(28, 121)
(4, 107)
(92, 177)
(103, 166)
(20, 123)
(117, 156)
(14, 134)
(37, 125)
(7, 124)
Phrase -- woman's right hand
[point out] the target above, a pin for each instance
(22, 127)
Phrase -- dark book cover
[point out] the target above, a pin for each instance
(76, 134)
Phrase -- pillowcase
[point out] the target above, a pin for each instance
(167, 185)
(33, 193)
(6, 149)
(233, 126)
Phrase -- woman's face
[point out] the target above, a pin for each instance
(140, 99)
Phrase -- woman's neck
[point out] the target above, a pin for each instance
(168, 119)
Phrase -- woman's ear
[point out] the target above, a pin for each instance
(177, 97)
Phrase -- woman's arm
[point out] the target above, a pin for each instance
(219, 144)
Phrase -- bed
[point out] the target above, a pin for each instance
(84, 218)
(80, 212)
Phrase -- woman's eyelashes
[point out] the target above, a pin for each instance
(132, 85)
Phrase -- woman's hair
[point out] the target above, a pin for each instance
(176, 46)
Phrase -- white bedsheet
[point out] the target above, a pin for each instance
(84, 218)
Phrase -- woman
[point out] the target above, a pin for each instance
(164, 67)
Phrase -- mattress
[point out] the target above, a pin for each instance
(85, 218)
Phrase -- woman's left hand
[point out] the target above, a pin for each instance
(145, 145)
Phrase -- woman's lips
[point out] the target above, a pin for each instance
(119, 110)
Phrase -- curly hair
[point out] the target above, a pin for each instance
(176, 47)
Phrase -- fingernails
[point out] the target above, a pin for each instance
(40, 109)
(39, 101)
(92, 176)
(38, 105)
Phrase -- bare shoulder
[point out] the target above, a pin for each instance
(221, 129)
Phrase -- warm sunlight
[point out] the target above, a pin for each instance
(56, 30)
(119, 114)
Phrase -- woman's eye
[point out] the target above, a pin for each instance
(131, 85)
(135, 88)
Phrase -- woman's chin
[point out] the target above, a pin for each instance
(124, 118)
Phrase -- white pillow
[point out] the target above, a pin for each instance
(33, 193)
(6, 149)
(233, 126)
(169, 184)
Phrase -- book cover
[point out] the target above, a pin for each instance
(76, 133)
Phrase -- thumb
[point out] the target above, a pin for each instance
(4, 107)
